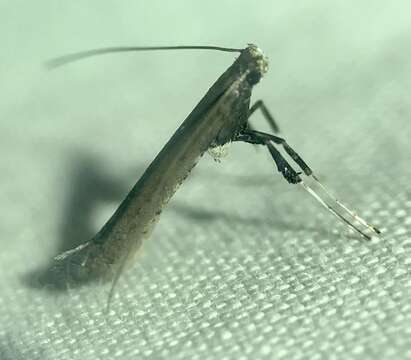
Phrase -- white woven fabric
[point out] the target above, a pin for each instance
(242, 265)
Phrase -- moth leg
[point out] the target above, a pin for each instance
(307, 170)
(259, 104)
(290, 151)
(260, 138)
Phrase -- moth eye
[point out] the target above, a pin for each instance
(253, 77)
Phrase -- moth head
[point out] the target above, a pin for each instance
(257, 64)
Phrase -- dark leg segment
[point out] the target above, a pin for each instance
(261, 138)
(267, 115)
(278, 140)
(286, 169)
(301, 163)
(259, 104)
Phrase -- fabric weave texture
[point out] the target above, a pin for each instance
(242, 265)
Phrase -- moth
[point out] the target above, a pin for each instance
(221, 116)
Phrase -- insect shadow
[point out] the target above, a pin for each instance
(89, 187)
(10, 349)
(204, 216)
(8, 353)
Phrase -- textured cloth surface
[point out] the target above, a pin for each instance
(242, 265)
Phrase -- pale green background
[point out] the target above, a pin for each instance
(242, 265)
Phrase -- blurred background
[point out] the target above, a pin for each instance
(241, 264)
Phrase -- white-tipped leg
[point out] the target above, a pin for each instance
(332, 210)
(260, 138)
(349, 211)
(307, 170)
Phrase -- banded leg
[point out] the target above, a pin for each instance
(260, 138)
(259, 104)
(289, 150)
(307, 170)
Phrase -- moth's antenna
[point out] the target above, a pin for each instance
(65, 59)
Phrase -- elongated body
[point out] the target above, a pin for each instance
(219, 116)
